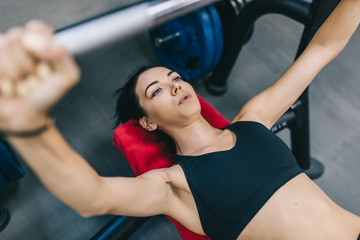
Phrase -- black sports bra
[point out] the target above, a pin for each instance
(230, 187)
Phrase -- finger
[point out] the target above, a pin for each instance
(7, 61)
(65, 65)
(19, 61)
(32, 82)
(39, 26)
(27, 85)
(47, 93)
(64, 72)
(2, 40)
(56, 77)
(15, 62)
(24, 62)
(43, 70)
(4, 58)
(7, 88)
(21, 89)
(37, 38)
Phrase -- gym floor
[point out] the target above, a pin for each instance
(85, 116)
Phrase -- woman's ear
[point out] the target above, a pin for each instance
(147, 124)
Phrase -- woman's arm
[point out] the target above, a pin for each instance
(34, 74)
(268, 106)
(71, 179)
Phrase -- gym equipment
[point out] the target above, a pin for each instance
(300, 135)
(222, 16)
(4, 217)
(10, 169)
(101, 30)
(119, 228)
(310, 13)
(218, 35)
(109, 27)
(240, 27)
(190, 45)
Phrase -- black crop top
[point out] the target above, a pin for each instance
(230, 187)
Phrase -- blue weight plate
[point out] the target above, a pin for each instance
(3, 182)
(192, 53)
(9, 165)
(218, 34)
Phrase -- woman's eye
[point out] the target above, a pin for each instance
(177, 79)
(156, 92)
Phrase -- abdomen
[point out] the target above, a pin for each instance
(301, 210)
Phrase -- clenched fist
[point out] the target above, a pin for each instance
(35, 72)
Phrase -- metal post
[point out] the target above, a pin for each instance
(120, 228)
(251, 11)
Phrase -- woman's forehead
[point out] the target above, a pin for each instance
(153, 73)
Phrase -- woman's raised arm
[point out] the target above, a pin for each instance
(72, 180)
(268, 106)
(34, 74)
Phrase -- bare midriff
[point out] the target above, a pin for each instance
(301, 210)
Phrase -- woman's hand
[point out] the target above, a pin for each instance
(35, 72)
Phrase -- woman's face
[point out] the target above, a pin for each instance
(166, 98)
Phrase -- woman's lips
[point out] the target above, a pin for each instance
(184, 98)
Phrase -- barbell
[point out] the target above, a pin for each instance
(99, 31)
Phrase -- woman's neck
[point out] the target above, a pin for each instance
(193, 138)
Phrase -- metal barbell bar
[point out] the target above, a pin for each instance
(100, 31)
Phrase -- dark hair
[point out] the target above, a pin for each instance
(128, 106)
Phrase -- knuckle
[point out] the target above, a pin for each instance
(38, 25)
(14, 32)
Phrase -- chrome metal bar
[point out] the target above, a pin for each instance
(98, 32)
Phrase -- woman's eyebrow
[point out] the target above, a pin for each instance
(154, 82)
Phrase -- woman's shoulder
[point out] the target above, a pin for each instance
(248, 118)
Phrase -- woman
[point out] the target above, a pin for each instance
(35, 73)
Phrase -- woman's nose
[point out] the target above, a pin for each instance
(176, 88)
